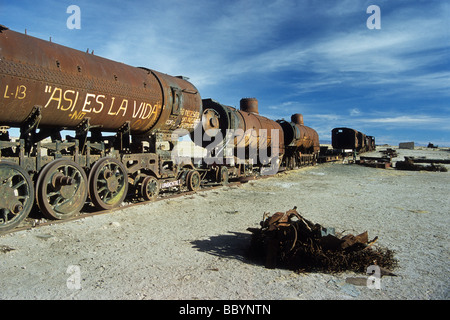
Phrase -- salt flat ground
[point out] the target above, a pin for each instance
(193, 247)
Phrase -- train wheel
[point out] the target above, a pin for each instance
(150, 188)
(193, 180)
(61, 189)
(108, 183)
(290, 163)
(16, 195)
(222, 175)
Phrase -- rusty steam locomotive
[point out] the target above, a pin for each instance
(126, 122)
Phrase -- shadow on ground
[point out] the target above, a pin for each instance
(234, 245)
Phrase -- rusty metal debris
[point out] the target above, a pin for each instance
(384, 162)
(288, 240)
(410, 164)
(375, 162)
(389, 152)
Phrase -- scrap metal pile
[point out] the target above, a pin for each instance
(410, 164)
(287, 240)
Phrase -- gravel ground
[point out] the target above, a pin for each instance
(193, 247)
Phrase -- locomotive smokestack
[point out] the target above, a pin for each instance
(249, 105)
(297, 119)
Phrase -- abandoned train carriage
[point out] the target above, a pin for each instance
(46, 88)
(256, 142)
(126, 123)
(351, 139)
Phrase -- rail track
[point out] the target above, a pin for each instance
(89, 211)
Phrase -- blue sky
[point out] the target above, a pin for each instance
(313, 57)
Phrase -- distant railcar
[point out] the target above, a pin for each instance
(350, 139)
(344, 138)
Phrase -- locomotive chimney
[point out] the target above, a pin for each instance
(297, 119)
(249, 105)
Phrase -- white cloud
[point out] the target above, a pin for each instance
(212, 42)
(413, 121)
(355, 112)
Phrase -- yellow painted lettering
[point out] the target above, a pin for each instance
(155, 111)
(77, 115)
(87, 103)
(123, 107)
(110, 108)
(21, 92)
(150, 110)
(135, 113)
(55, 97)
(63, 108)
(143, 110)
(137, 124)
(100, 103)
(75, 102)
(6, 90)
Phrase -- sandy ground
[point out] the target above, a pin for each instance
(193, 247)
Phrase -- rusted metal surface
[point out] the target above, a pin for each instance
(46, 88)
(362, 142)
(375, 162)
(108, 183)
(250, 129)
(296, 134)
(16, 195)
(301, 143)
(249, 105)
(288, 240)
(410, 164)
(69, 86)
(61, 189)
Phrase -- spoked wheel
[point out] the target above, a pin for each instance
(108, 183)
(149, 188)
(193, 180)
(61, 189)
(16, 195)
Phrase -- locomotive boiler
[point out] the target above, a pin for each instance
(46, 88)
(69, 86)
(301, 142)
(242, 138)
